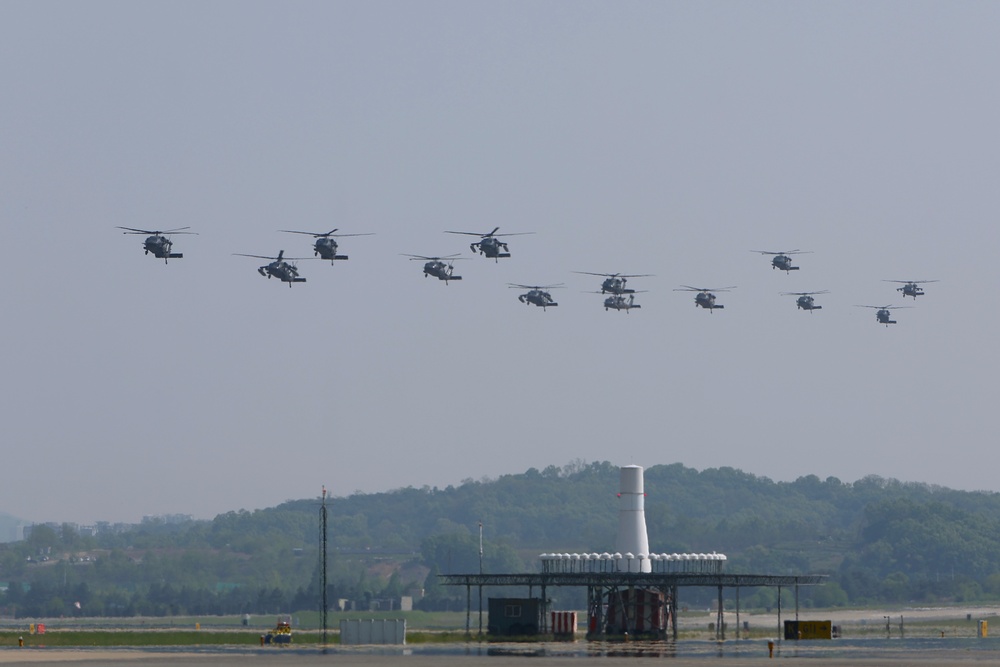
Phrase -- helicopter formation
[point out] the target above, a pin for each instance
(614, 286)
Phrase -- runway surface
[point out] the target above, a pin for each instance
(837, 653)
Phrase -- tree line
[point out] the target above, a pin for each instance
(879, 541)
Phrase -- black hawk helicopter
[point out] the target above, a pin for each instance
(279, 267)
(882, 314)
(619, 302)
(781, 259)
(436, 266)
(704, 296)
(806, 300)
(158, 243)
(536, 294)
(911, 287)
(325, 247)
(614, 283)
(489, 245)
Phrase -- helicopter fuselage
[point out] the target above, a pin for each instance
(440, 270)
(783, 262)
(883, 316)
(160, 247)
(807, 303)
(283, 271)
(326, 248)
(490, 247)
(615, 286)
(911, 289)
(706, 300)
(538, 298)
(619, 302)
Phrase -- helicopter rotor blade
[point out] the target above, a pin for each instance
(615, 275)
(493, 233)
(518, 286)
(688, 288)
(179, 230)
(449, 257)
(279, 258)
(784, 252)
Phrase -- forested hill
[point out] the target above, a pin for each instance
(878, 539)
(575, 508)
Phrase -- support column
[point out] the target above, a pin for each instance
(739, 628)
(720, 632)
(796, 600)
(781, 631)
(480, 610)
(602, 620)
(661, 630)
(673, 610)
(468, 608)
(545, 611)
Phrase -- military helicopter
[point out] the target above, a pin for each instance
(614, 283)
(704, 296)
(911, 287)
(806, 300)
(781, 259)
(536, 294)
(618, 302)
(157, 243)
(882, 313)
(279, 268)
(489, 244)
(325, 247)
(435, 266)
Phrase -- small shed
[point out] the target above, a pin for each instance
(514, 616)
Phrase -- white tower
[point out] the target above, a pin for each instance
(632, 542)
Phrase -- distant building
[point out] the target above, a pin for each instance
(167, 518)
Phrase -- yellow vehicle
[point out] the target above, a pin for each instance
(282, 634)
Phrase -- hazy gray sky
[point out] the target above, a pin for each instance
(663, 138)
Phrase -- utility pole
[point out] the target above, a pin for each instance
(480, 585)
(322, 574)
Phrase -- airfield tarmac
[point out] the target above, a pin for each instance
(862, 653)
(923, 647)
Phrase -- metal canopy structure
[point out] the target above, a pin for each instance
(602, 586)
